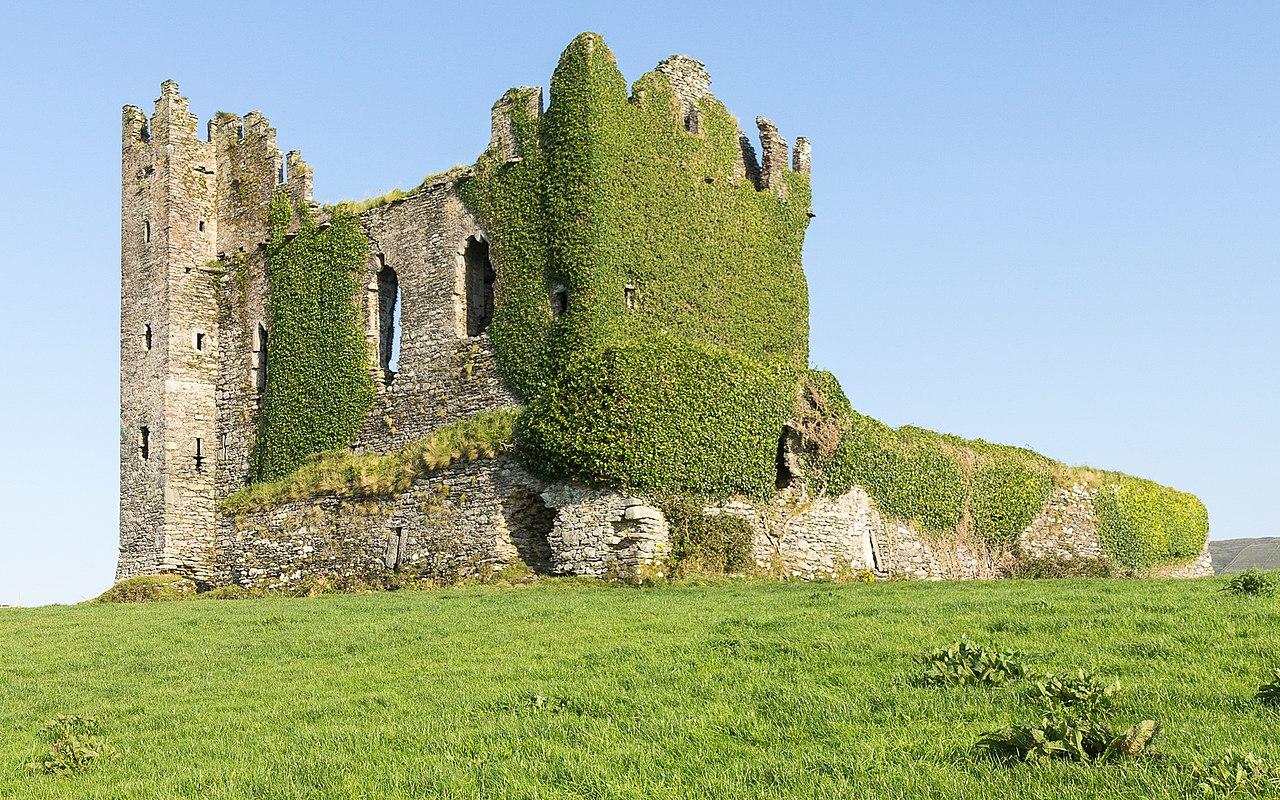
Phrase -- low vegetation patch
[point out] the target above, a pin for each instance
(342, 473)
(1077, 691)
(149, 589)
(706, 544)
(1062, 567)
(1070, 737)
(1251, 583)
(1236, 775)
(74, 744)
(966, 664)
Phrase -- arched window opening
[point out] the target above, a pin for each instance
(260, 359)
(479, 279)
(559, 299)
(788, 457)
(389, 312)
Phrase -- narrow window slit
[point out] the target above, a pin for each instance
(146, 336)
(559, 300)
(144, 442)
(199, 455)
(479, 283)
(389, 314)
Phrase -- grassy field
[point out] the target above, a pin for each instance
(557, 690)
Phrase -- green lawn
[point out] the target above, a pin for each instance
(736, 690)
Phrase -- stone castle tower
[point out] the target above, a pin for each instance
(186, 202)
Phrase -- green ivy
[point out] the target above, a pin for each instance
(319, 389)
(943, 483)
(689, 388)
(1143, 524)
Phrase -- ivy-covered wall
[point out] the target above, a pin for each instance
(944, 484)
(318, 387)
(688, 386)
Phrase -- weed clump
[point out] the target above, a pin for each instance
(1077, 692)
(1235, 774)
(966, 664)
(1251, 583)
(1269, 693)
(1069, 736)
(74, 744)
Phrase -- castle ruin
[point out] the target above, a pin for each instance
(440, 281)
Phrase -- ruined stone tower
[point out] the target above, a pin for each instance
(185, 202)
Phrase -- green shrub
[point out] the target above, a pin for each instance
(705, 544)
(1077, 692)
(1235, 774)
(149, 589)
(640, 415)
(1269, 693)
(1251, 583)
(966, 664)
(1070, 737)
(74, 744)
(319, 389)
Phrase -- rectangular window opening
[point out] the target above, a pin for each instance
(146, 336)
(199, 341)
(559, 300)
(630, 293)
(199, 455)
(146, 230)
(202, 226)
(144, 442)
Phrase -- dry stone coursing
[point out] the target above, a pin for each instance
(603, 533)
(1064, 528)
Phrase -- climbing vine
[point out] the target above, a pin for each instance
(687, 311)
(318, 388)
(943, 483)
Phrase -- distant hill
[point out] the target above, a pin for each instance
(1237, 555)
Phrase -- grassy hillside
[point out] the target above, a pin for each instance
(1237, 555)
(740, 689)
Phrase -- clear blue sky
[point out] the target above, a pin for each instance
(1051, 226)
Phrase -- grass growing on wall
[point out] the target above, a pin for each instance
(730, 690)
(943, 483)
(318, 384)
(687, 388)
(341, 473)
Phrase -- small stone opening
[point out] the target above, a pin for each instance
(225, 443)
(787, 465)
(479, 284)
(629, 293)
(146, 336)
(531, 523)
(693, 121)
(200, 341)
(201, 226)
(260, 351)
(144, 442)
(145, 133)
(146, 231)
(389, 312)
(199, 456)
(559, 300)
(396, 554)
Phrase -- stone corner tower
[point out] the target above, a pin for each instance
(186, 204)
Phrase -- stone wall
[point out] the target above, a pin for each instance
(466, 520)
(443, 375)
(601, 533)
